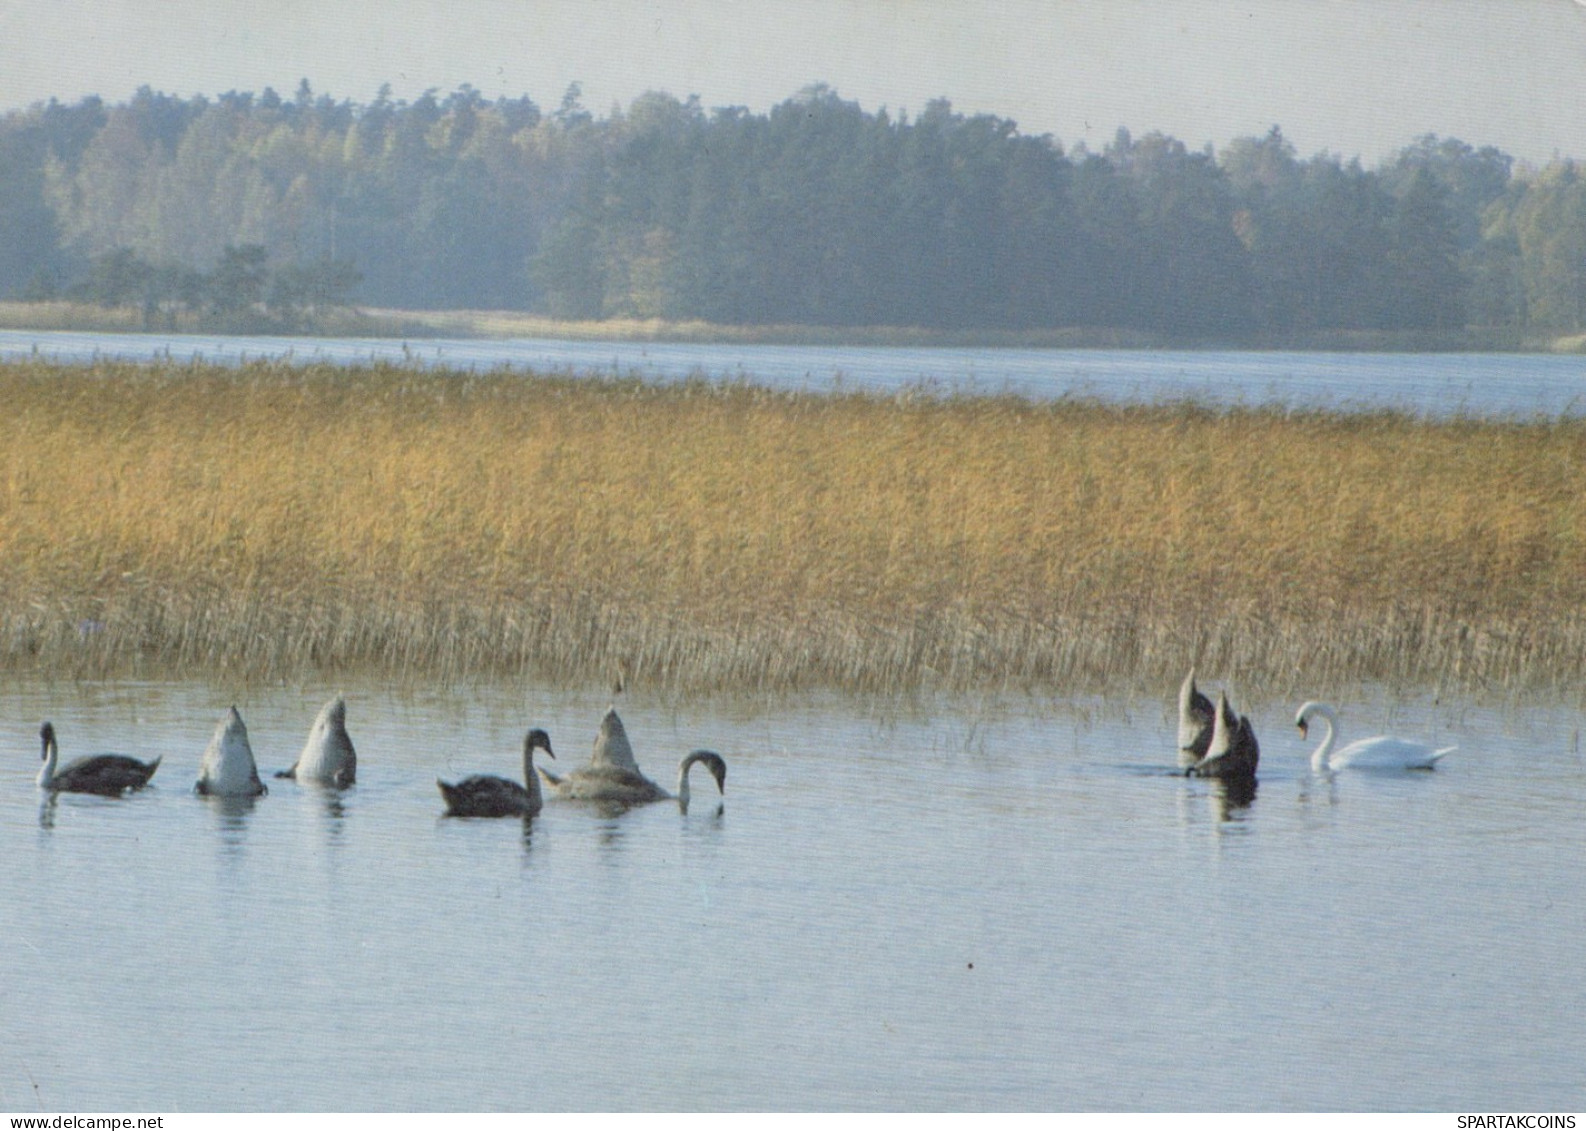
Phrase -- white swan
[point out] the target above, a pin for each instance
(227, 768)
(485, 795)
(328, 755)
(613, 777)
(1233, 751)
(1194, 722)
(107, 774)
(1381, 752)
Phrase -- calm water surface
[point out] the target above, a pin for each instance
(972, 906)
(1514, 385)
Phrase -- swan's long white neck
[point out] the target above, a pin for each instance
(1328, 716)
(51, 756)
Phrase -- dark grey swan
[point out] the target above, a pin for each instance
(612, 775)
(109, 775)
(1233, 751)
(328, 756)
(485, 795)
(1194, 723)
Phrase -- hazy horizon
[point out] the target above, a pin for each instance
(1359, 78)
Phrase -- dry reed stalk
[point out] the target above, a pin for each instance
(272, 520)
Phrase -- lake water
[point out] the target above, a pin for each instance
(970, 905)
(974, 904)
(1516, 385)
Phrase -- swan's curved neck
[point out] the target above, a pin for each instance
(51, 757)
(682, 778)
(682, 774)
(1319, 756)
(531, 780)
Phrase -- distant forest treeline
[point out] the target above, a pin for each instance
(816, 212)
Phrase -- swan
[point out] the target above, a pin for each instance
(328, 756)
(1233, 751)
(612, 748)
(1380, 752)
(1194, 723)
(227, 768)
(106, 774)
(613, 776)
(484, 795)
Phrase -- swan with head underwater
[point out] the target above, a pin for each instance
(612, 776)
(1232, 751)
(109, 775)
(227, 768)
(328, 757)
(1194, 723)
(1379, 752)
(485, 795)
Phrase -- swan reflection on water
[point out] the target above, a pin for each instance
(1233, 796)
(232, 812)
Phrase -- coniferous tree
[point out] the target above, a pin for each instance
(816, 211)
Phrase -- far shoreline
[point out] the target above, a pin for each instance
(68, 317)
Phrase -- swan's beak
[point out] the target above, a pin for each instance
(1303, 728)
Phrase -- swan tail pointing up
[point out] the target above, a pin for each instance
(1233, 751)
(1194, 722)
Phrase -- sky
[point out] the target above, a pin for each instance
(1358, 78)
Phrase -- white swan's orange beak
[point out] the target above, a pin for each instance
(1304, 729)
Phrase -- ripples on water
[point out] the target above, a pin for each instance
(1008, 906)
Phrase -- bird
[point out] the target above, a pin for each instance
(1194, 723)
(613, 777)
(227, 768)
(328, 756)
(107, 774)
(1233, 751)
(1381, 752)
(485, 795)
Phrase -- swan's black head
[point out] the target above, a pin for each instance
(46, 737)
(537, 739)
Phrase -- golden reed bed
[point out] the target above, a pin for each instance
(275, 522)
